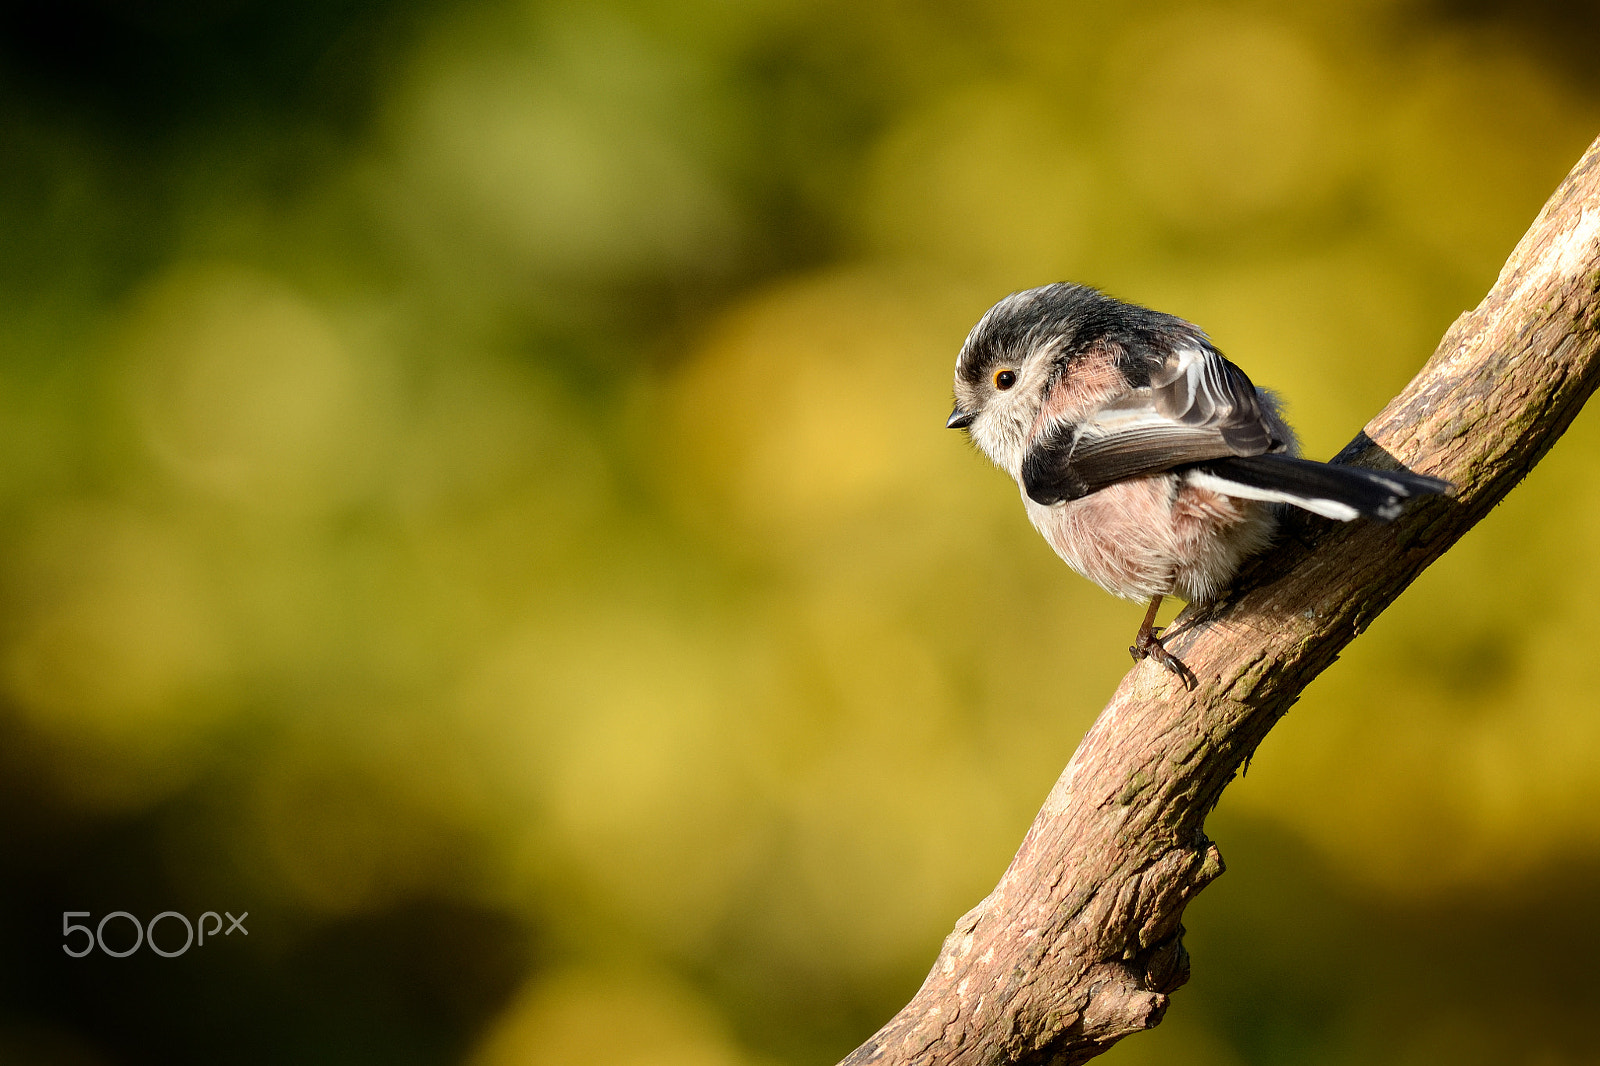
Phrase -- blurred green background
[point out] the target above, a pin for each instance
(475, 497)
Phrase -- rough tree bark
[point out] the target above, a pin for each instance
(1080, 943)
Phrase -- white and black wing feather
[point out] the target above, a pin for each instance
(1197, 387)
(1201, 415)
(1198, 406)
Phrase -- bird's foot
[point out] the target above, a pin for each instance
(1147, 645)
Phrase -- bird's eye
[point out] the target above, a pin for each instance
(1005, 379)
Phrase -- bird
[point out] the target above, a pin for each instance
(1150, 463)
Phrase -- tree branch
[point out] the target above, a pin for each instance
(1080, 942)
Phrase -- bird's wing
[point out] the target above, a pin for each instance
(1198, 406)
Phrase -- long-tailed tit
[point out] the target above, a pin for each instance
(1148, 461)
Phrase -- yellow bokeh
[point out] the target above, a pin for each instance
(1222, 118)
(633, 1019)
(242, 388)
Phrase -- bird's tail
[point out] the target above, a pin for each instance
(1339, 492)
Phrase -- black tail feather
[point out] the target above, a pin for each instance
(1324, 489)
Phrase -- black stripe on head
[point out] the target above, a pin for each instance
(1069, 317)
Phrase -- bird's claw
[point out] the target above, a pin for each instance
(1147, 645)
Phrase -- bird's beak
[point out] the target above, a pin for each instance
(960, 419)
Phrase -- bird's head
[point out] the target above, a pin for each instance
(1013, 356)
